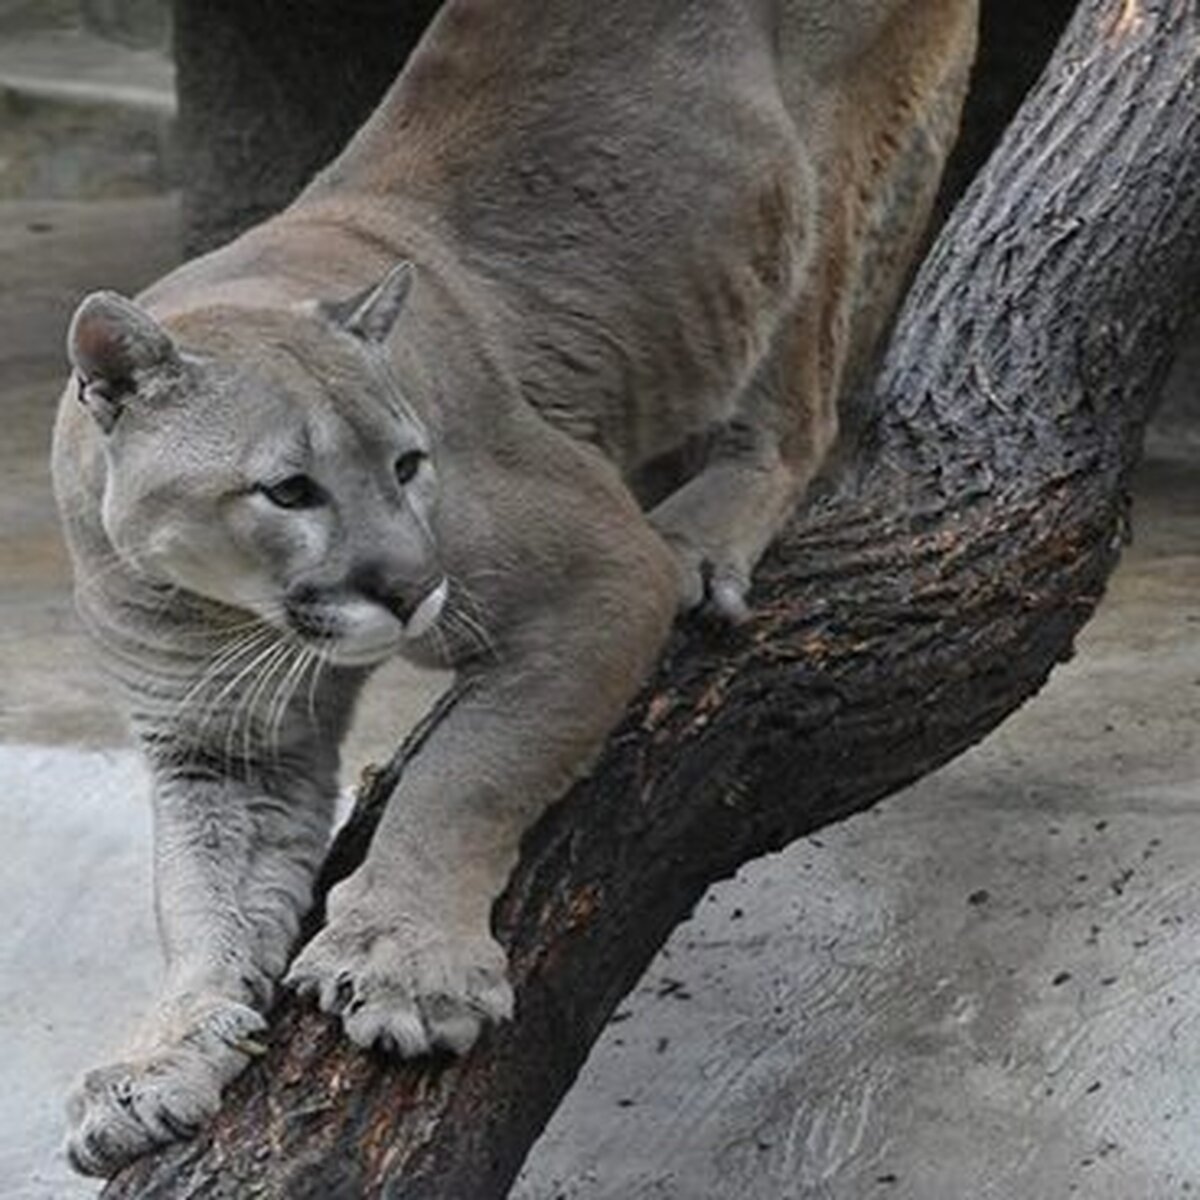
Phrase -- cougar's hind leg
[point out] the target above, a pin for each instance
(720, 522)
(880, 133)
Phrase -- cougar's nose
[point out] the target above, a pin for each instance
(412, 604)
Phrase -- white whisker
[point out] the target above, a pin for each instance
(262, 659)
(472, 625)
(255, 692)
(322, 661)
(224, 658)
(284, 692)
(254, 643)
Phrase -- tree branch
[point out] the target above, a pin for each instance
(895, 624)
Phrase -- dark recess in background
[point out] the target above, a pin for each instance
(270, 91)
(1016, 38)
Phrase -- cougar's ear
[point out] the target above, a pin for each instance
(372, 314)
(111, 342)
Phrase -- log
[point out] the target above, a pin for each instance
(903, 615)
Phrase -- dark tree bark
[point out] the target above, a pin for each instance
(898, 620)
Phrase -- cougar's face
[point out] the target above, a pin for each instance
(271, 463)
(327, 529)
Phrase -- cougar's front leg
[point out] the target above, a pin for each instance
(407, 958)
(234, 866)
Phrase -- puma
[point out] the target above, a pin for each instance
(406, 415)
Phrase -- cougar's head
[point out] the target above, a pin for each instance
(269, 460)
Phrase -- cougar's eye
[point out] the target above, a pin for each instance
(407, 466)
(296, 491)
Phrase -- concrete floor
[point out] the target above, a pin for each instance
(986, 988)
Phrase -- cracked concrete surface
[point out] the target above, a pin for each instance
(985, 988)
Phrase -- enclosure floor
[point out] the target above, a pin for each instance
(986, 989)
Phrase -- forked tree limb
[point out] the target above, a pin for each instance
(897, 622)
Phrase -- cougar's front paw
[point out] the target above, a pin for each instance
(712, 578)
(404, 982)
(120, 1112)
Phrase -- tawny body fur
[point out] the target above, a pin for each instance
(628, 224)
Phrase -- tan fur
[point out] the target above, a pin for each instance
(630, 224)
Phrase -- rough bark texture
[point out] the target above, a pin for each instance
(897, 622)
